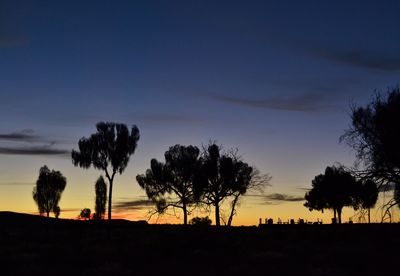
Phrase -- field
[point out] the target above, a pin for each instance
(32, 245)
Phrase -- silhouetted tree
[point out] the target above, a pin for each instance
(335, 189)
(375, 134)
(219, 177)
(199, 221)
(101, 198)
(109, 150)
(48, 190)
(175, 177)
(257, 183)
(85, 214)
(57, 211)
(368, 196)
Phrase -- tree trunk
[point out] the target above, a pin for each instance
(184, 213)
(217, 214)
(339, 211)
(48, 213)
(110, 180)
(235, 200)
(369, 215)
(334, 215)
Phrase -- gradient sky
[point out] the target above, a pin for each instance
(273, 78)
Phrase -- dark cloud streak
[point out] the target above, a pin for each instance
(305, 103)
(23, 136)
(276, 198)
(373, 60)
(138, 204)
(33, 151)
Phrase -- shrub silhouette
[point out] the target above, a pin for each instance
(201, 221)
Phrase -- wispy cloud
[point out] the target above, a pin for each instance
(168, 118)
(21, 136)
(137, 204)
(302, 103)
(25, 142)
(375, 60)
(277, 198)
(44, 150)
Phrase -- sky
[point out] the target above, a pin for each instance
(275, 79)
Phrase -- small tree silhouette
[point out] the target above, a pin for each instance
(101, 198)
(48, 190)
(109, 150)
(85, 214)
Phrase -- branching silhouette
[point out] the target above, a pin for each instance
(257, 184)
(109, 149)
(174, 177)
(220, 176)
(48, 190)
(374, 134)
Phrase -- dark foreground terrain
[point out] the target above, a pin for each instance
(31, 245)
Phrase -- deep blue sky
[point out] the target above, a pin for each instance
(273, 78)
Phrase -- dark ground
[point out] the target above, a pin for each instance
(32, 245)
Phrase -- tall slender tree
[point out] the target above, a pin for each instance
(109, 150)
(101, 198)
(174, 177)
(48, 190)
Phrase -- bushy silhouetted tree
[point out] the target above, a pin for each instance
(174, 177)
(334, 190)
(48, 190)
(220, 176)
(375, 136)
(85, 214)
(101, 198)
(368, 196)
(109, 149)
(201, 221)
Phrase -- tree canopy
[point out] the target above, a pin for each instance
(48, 190)
(220, 176)
(375, 134)
(170, 184)
(109, 150)
(334, 189)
